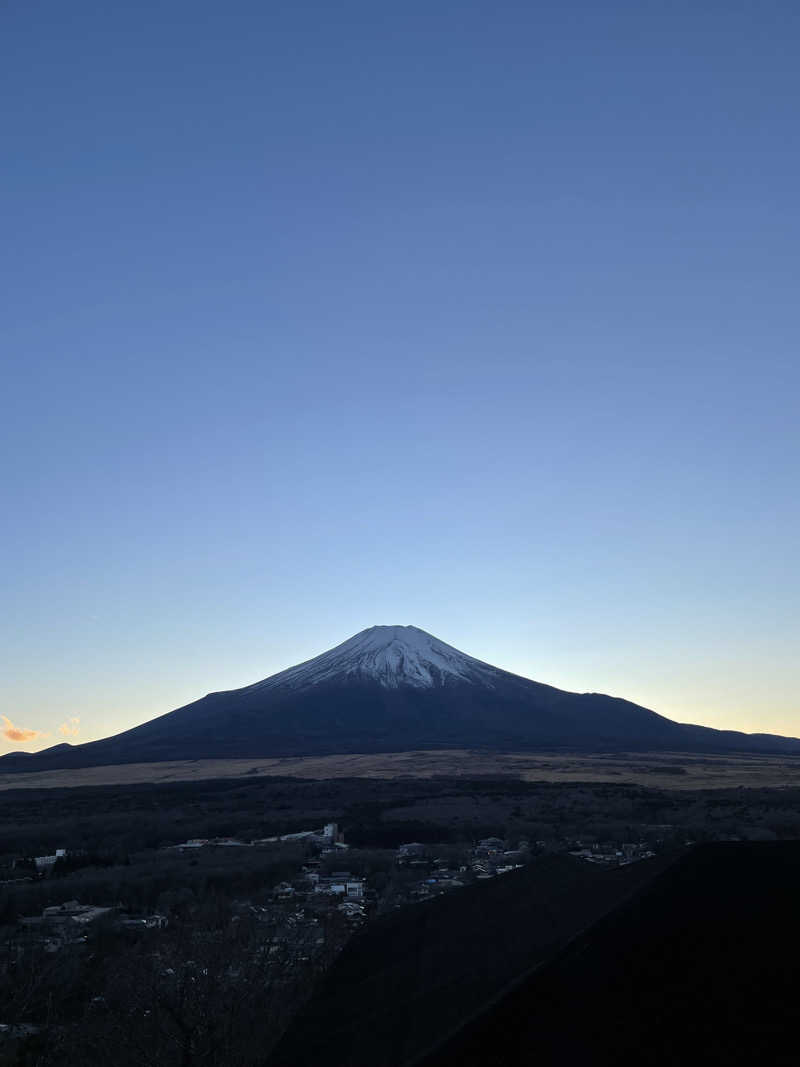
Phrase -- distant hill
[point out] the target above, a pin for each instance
(394, 689)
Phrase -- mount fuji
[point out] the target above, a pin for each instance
(394, 689)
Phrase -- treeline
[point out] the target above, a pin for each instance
(155, 881)
(119, 820)
(115, 823)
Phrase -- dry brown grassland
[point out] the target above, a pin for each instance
(662, 770)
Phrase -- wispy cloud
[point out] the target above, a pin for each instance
(70, 728)
(19, 733)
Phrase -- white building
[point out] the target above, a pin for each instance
(44, 863)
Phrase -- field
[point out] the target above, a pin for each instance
(661, 770)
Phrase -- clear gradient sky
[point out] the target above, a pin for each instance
(478, 316)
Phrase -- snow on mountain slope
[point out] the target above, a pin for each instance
(393, 689)
(393, 656)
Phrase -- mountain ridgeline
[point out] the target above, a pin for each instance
(394, 689)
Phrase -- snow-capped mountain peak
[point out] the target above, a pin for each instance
(393, 656)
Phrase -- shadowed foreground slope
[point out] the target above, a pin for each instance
(410, 979)
(700, 966)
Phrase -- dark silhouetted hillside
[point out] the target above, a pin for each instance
(699, 967)
(408, 980)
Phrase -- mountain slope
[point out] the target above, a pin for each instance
(390, 689)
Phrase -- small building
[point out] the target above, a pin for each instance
(144, 922)
(491, 845)
(64, 919)
(413, 850)
(74, 912)
(193, 842)
(351, 910)
(44, 863)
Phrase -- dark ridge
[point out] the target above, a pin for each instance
(410, 979)
(699, 967)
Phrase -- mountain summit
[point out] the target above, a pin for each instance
(394, 689)
(392, 656)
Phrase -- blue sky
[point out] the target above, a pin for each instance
(480, 317)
